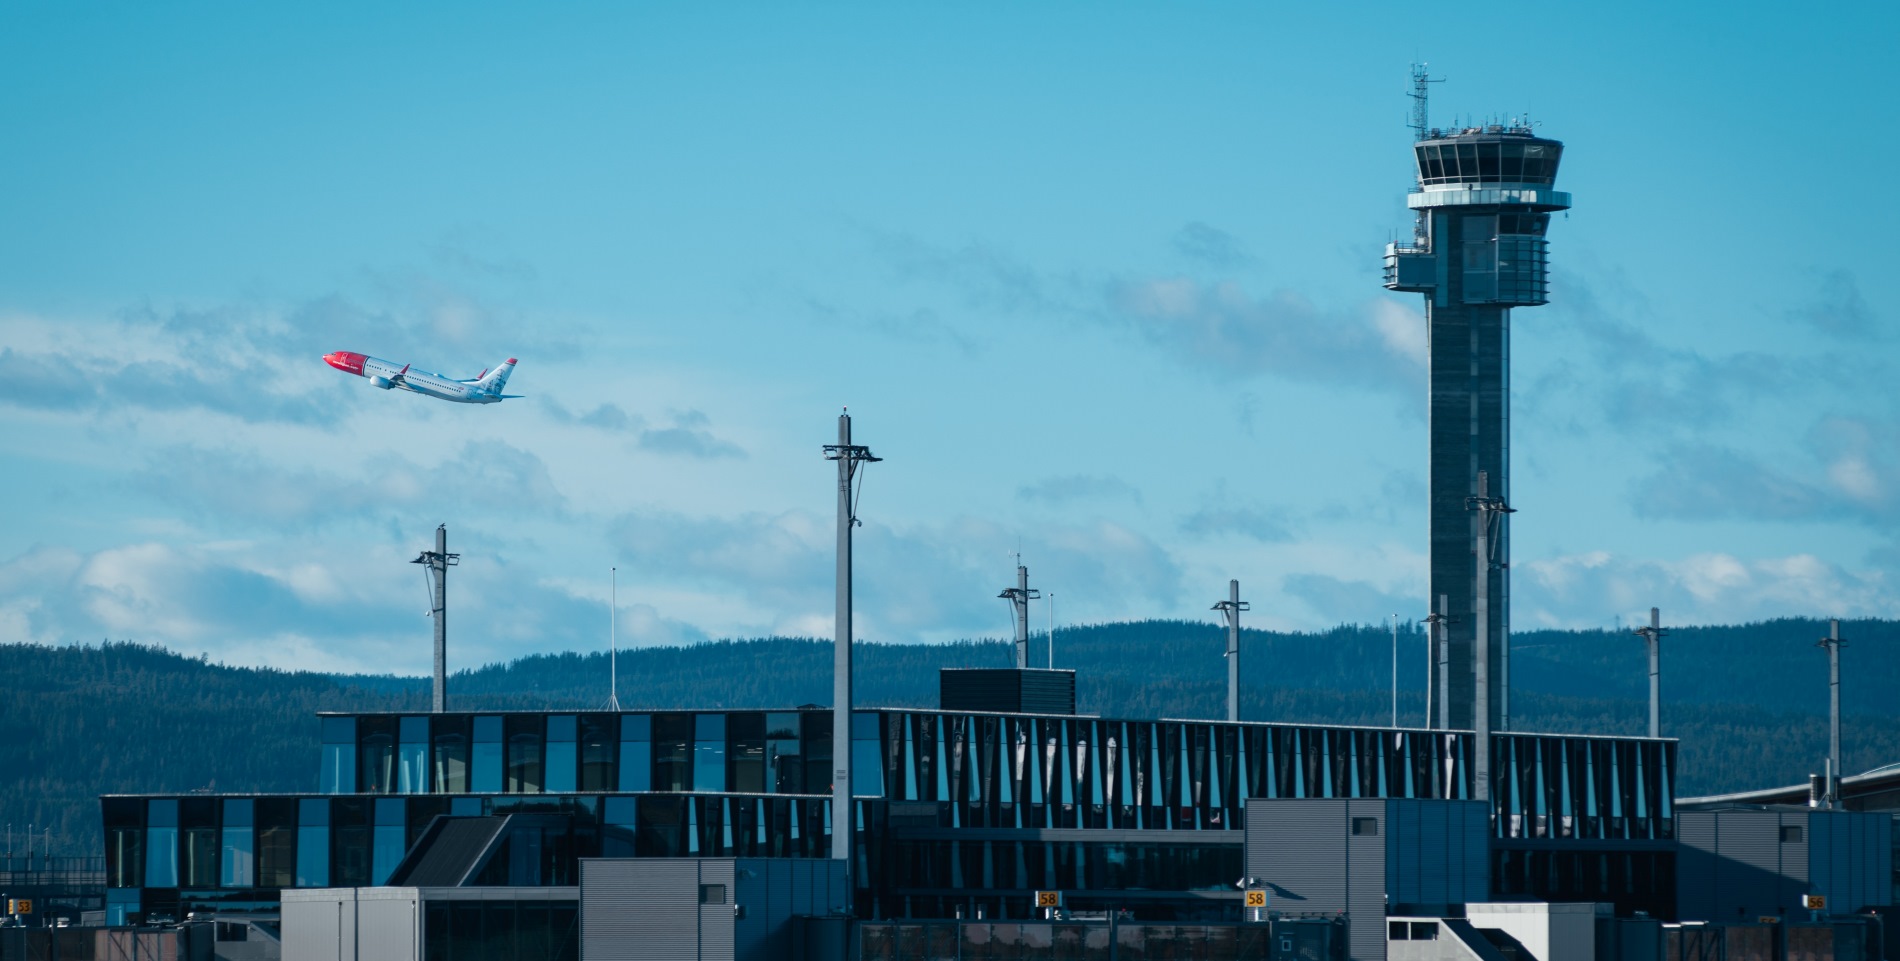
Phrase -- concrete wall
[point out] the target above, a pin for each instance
(1550, 932)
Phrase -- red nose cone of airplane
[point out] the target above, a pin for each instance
(347, 361)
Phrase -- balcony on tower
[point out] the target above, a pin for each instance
(1484, 200)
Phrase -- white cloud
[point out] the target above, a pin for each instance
(1592, 589)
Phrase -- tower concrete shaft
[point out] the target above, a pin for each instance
(1484, 201)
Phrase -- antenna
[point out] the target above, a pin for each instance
(437, 563)
(1052, 630)
(1421, 97)
(613, 639)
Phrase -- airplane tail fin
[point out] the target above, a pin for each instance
(494, 380)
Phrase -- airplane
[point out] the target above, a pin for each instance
(484, 388)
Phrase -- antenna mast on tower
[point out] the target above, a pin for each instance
(1421, 96)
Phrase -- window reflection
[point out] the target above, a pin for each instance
(524, 753)
(672, 752)
(238, 868)
(161, 851)
(709, 752)
(376, 749)
(449, 754)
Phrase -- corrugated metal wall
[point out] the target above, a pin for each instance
(634, 910)
(386, 928)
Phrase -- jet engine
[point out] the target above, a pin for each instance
(383, 382)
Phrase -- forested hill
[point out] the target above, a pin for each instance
(1748, 702)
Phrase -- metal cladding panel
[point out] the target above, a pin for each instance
(1366, 879)
(634, 910)
(1006, 690)
(1475, 836)
(1696, 866)
(1404, 853)
(717, 937)
(386, 928)
(1749, 873)
(1299, 847)
(1796, 882)
(318, 925)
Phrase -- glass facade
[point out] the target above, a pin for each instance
(992, 806)
(457, 930)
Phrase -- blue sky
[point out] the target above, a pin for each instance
(1100, 281)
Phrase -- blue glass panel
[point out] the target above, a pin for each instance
(339, 768)
(386, 852)
(636, 766)
(161, 858)
(709, 763)
(636, 727)
(412, 776)
(867, 770)
(560, 771)
(487, 768)
(466, 807)
(313, 857)
(561, 727)
(238, 865)
(488, 728)
(339, 730)
(620, 810)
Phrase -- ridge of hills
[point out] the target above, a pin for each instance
(1748, 702)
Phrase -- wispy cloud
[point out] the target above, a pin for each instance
(1071, 488)
(688, 436)
(1594, 588)
(1211, 246)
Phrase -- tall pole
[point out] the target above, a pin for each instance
(1230, 610)
(1485, 512)
(613, 638)
(1652, 637)
(1052, 630)
(436, 563)
(1833, 643)
(1444, 662)
(1395, 670)
(1019, 598)
(843, 825)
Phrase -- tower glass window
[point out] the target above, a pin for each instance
(161, 844)
(376, 750)
(525, 735)
(672, 752)
(238, 863)
(597, 752)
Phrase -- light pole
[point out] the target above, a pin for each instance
(1833, 643)
(1652, 637)
(848, 456)
(1395, 670)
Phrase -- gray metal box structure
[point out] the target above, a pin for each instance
(1006, 690)
(1741, 864)
(1361, 857)
(388, 924)
(724, 909)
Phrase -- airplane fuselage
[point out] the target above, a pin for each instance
(383, 374)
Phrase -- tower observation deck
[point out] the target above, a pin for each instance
(1484, 201)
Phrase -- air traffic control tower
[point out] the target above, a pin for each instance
(1484, 201)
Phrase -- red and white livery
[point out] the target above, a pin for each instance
(484, 388)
